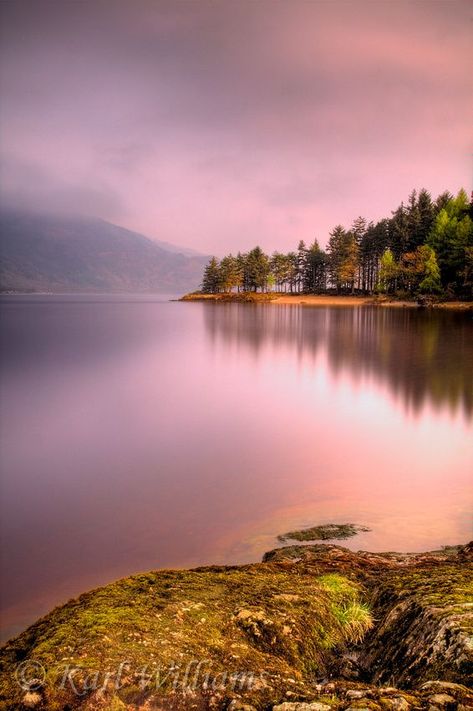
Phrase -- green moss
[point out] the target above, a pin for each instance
(115, 705)
(288, 624)
(444, 585)
(425, 618)
(329, 531)
(255, 618)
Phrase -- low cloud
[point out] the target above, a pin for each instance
(218, 125)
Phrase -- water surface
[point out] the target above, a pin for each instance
(138, 433)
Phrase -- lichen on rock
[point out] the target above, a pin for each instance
(314, 627)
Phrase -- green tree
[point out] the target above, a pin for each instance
(230, 273)
(301, 264)
(291, 260)
(280, 269)
(335, 250)
(211, 278)
(431, 283)
(257, 269)
(375, 241)
(426, 216)
(406, 250)
(240, 260)
(358, 229)
(442, 201)
(400, 231)
(343, 258)
(419, 270)
(467, 272)
(315, 272)
(388, 272)
(351, 262)
(450, 237)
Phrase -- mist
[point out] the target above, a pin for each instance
(218, 126)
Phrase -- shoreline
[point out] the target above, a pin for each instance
(315, 300)
(314, 627)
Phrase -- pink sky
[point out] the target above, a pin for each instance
(217, 126)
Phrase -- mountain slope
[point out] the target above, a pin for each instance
(40, 252)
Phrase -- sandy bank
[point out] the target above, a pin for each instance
(323, 300)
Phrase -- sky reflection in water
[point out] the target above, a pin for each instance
(139, 434)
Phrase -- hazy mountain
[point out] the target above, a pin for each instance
(40, 252)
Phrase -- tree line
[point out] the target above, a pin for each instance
(425, 247)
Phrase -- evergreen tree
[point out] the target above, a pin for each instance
(388, 272)
(358, 229)
(442, 201)
(426, 216)
(315, 272)
(280, 269)
(301, 265)
(375, 241)
(399, 228)
(467, 273)
(335, 250)
(257, 269)
(240, 260)
(343, 258)
(450, 237)
(230, 273)
(422, 239)
(211, 278)
(431, 283)
(420, 267)
(349, 266)
(291, 259)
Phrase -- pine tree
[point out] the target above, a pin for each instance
(343, 258)
(257, 269)
(399, 228)
(450, 237)
(375, 241)
(315, 271)
(230, 274)
(211, 278)
(426, 215)
(291, 259)
(431, 283)
(358, 230)
(467, 273)
(301, 265)
(335, 249)
(240, 260)
(280, 269)
(422, 239)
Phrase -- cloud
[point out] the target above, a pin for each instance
(29, 186)
(217, 124)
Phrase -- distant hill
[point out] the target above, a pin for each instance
(40, 252)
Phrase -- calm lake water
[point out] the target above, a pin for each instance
(138, 433)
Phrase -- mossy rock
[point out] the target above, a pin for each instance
(424, 627)
(259, 635)
(277, 627)
(325, 532)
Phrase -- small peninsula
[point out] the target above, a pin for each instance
(302, 299)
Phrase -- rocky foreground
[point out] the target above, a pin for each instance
(313, 627)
